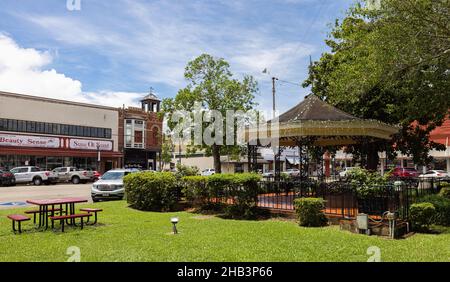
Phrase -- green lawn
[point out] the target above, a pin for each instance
(129, 235)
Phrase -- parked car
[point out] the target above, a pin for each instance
(7, 178)
(73, 174)
(208, 171)
(33, 174)
(293, 172)
(97, 175)
(405, 172)
(268, 174)
(110, 185)
(435, 174)
(344, 172)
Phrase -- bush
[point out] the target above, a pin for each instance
(310, 211)
(239, 191)
(442, 205)
(422, 215)
(151, 191)
(445, 192)
(195, 190)
(367, 184)
(185, 170)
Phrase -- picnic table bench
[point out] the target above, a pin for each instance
(17, 218)
(62, 219)
(34, 212)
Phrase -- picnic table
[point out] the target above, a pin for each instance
(47, 206)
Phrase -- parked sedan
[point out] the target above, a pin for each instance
(293, 172)
(208, 172)
(434, 174)
(405, 172)
(268, 173)
(7, 178)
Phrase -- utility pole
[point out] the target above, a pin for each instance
(273, 96)
(273, 117)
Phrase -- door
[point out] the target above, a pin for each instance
(62, 173)
(21, 174)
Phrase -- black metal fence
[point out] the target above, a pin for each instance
(344, 199)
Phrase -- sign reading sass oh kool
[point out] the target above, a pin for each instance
(82, 144)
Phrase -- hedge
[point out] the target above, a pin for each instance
(239, 191)
(442, 206)
(151, 191)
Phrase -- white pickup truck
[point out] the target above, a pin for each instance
(33, 174)
(73, 174)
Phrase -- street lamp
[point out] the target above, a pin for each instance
(174, 221)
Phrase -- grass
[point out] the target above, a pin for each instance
(129, 235)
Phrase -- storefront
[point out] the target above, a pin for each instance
(49, 133)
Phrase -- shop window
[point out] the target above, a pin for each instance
(54, 128)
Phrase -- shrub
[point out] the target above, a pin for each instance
(151, 191)
(445, 192)
(195, 190)
(442, 205)
(367, 183)
(185, 170)
(421, 215)
(310, 211)
(239, 191)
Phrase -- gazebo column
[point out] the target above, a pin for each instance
(327, 165)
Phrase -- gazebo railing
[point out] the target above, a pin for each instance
(343, 199)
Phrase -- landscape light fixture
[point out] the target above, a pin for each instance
(174, 221)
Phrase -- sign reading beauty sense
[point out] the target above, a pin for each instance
(28, 141)
(83, 144)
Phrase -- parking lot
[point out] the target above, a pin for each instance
(12, 197)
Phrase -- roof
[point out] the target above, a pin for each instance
(312, 108)
(151, 96)
(442, 133)
(327, 125)
(56, 101)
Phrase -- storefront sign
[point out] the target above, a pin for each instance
(83, 144)
(28, 141)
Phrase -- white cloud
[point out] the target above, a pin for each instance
(159, 38)
(23, 71)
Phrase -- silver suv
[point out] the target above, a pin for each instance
(110, 185)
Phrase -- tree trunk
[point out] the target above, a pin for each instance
(216, 157)
(372, 157)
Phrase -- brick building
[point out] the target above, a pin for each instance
(141, 130)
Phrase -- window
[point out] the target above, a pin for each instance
(134, 133)
(54, 128)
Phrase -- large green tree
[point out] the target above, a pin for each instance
(391, 63)
(212, 87)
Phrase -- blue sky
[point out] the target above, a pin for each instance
(111, 52)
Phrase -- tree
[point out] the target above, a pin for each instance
(166, 151)
(391, 64)
(211, 86)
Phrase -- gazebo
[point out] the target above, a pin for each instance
(314, 123)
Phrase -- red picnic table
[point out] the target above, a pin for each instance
(44, 210)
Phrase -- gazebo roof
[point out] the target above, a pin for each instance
(312, 108)
(326, 124)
